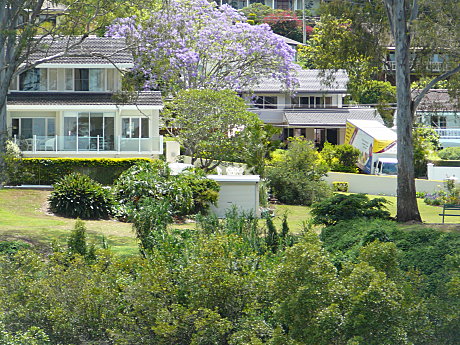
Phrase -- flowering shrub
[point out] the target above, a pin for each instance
(195, 44)
(450, 196)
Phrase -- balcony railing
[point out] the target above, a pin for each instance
(431, 66)
(445, 133)
(96, 144)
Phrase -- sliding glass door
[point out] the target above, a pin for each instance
(89, 131)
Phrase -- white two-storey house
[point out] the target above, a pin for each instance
(72, 106)
(315, 110)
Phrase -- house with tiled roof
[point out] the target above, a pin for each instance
(314, 109)
(72, 105)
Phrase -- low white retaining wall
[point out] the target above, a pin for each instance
(442, 173)
(384, 185)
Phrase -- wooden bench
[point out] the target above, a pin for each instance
(449, 207)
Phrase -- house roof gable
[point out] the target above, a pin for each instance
(93, 50)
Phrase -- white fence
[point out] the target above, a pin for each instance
(379, 185)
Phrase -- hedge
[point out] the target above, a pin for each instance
(46, 171)
(446, 163)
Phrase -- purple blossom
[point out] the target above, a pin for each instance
(195, 44)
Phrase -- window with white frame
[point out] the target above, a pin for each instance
(27, 127)
(35, 79)
(135, 127)
(311, 102)
(89, 79)
(266, 102)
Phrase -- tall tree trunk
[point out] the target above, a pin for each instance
(407, 209)
(3, 136)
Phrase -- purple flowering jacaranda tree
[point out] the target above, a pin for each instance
(191, 44)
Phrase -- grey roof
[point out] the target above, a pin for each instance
(73, 98)
(310, 80)
(93, 50)
(289, 41)
(329, 117)
(437, 100)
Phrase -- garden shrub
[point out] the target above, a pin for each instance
(450, 153)
(78, 196)
(187, 193)
(451, 195)
(295, 176)
(340, 186)
(344, 207)
(340, 158)
(11, 247)
(12, 172)
(345, 238)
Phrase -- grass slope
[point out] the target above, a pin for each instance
(24, 216)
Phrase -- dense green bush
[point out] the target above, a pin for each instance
(450, 153)
(187, 193)
(44, 171)
(11, 247)
(340, 158)
(344, 207)
(295, 175)
(78, 196)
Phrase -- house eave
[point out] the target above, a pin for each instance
(111, 107)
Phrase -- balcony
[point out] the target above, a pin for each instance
(97, 145)
(445, 133)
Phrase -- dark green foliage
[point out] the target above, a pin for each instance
(272, 235)
(344, 207)
(188, 193)
(295, 177)
(11, 247)
(345, 239)
(425, 141)
(76, 242)
(78, 196)
(45, 171)
(450, 153)
(426, 250)
(150, 222)
(12, 172)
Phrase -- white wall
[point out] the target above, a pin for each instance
(442, 173)
(375, 185)
(239, 191)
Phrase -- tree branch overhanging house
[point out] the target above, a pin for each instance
(71, 106)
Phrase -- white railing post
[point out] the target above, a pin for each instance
(139, 143)
(161, 144)
(56, 143)
(119, 143)
(97, 144)
(34, 143)
(76, 141)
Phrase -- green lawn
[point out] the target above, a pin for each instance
(24, 216)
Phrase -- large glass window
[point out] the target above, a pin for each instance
(266, 102)
(26, 128)
(89, 79)
(33, 80)
(135, 127)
